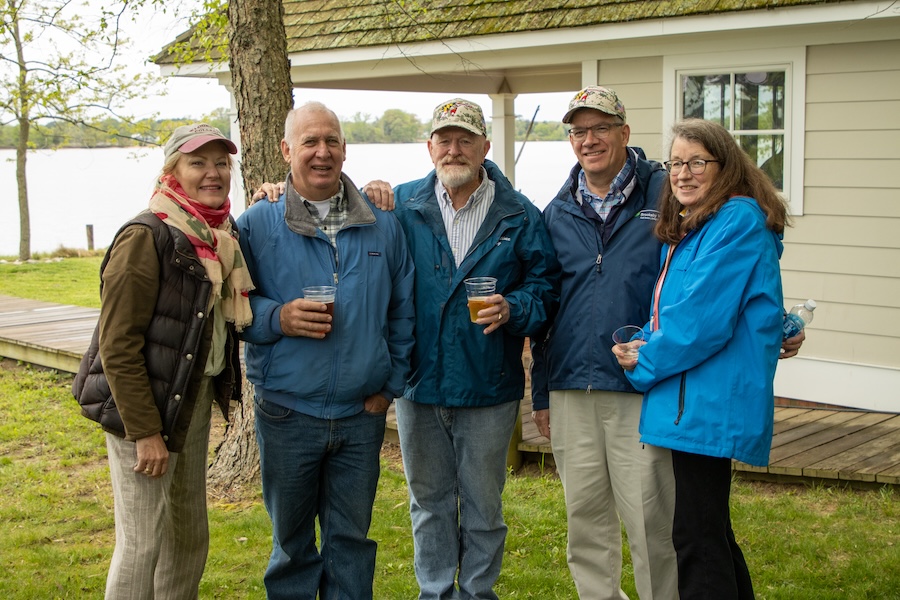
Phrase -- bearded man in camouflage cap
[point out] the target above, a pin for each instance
(461, 403)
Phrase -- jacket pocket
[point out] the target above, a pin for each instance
(681, 398)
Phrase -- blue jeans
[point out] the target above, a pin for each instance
(319, 468)
(455, 463)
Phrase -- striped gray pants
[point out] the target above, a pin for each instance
(162, 532)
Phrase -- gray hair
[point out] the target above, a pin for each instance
(312, 106)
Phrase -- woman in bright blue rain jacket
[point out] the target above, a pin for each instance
(712, 343)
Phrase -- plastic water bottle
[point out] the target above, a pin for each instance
(798, 318)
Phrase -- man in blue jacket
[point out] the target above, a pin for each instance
(323, 383)
(461, 403)
(601, 223)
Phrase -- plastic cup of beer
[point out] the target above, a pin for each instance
(321, 293)
(477, 291)
(629, 338)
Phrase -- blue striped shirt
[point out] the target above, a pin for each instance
(463, 224)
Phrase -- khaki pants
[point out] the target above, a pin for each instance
(608, 474)
(162, 532)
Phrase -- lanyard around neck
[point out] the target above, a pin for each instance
(654, 318)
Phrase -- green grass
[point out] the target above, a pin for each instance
(801, 542)
(66, 281)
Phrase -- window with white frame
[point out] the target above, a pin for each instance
(748, 104)
(759, 101)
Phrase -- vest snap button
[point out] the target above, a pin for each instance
(190, 357)
(177, 396)
(200, 315)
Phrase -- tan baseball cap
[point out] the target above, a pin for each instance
(599, 98)
(459, 113)
(188, 138)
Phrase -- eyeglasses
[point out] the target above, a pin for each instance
(600, 131)
(696, 166)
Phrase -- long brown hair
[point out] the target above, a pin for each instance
(736, 176)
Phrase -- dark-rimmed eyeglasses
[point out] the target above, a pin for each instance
(600, 131)
(696, 166)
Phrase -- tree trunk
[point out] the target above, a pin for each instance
(22, 102)
(237, 457)
(261, 80)
(22, 186)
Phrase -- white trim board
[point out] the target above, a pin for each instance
(842, 384)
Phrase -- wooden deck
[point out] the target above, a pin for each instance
(41, 333)
(831, 445)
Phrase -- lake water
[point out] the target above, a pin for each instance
(69, 189)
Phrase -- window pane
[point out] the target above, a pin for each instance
(767, 151)
(759, 102)
(708, 97)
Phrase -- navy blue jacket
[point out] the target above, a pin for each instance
(454, 363)
(605, 284)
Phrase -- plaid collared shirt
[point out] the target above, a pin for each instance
(463, 224)
(618, 189)
(336, 217)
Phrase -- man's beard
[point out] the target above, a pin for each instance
(456, 175)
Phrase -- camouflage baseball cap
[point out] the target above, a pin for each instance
(598, 98)
(459, 113)
(188, 138)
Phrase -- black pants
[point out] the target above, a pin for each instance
(710, 563)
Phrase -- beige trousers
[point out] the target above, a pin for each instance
(607, 475)
(162, 532)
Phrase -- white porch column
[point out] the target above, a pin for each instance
(503, 134)
(590, 73)
(237, 181)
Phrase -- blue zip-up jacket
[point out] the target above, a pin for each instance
(708, 370)
(604, 285)
(368, 348)
(454, 364)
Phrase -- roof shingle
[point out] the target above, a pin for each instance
(335, 24)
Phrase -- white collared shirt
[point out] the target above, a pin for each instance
(463, 224)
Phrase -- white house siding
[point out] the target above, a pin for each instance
(638, 82)
(844, 251)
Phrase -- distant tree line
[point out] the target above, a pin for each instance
(106, 132)
(393, 127)
(396, 127)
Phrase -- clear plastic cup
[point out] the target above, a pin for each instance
(477, 291)
(629, 338)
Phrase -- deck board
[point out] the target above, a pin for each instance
(819, 433)
(791, 419)
(808, 443)
(43, 333)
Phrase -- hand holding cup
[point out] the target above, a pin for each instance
(628, 340)
(482, 298)
(321, 293)
(305, 317)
